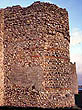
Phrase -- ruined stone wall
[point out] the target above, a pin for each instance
(74, 79)
(1, 57)
(37, 68)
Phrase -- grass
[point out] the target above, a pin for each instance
(36, 108)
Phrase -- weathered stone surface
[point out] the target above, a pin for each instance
(34, 52)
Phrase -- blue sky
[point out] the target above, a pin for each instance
(74, 8)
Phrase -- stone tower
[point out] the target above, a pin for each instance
(35, 67)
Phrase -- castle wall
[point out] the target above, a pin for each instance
(1, 58)
(74, 80)
(37, 66)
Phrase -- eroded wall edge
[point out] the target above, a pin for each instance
(1, 58)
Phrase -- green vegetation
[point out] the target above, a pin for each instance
(78, 99)
(35, 108)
